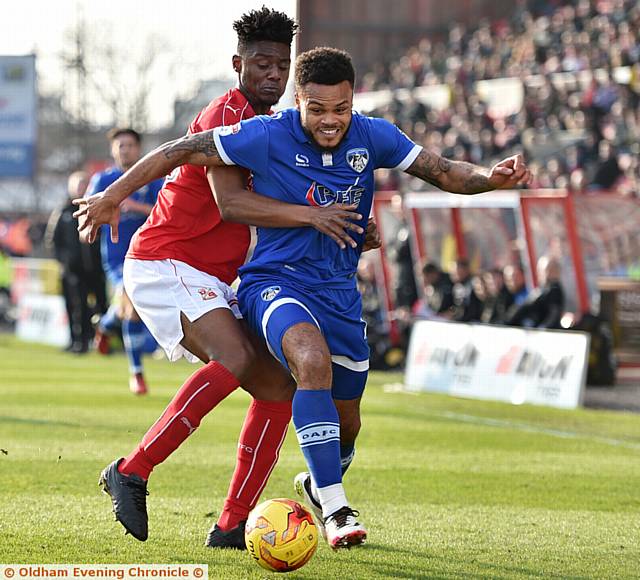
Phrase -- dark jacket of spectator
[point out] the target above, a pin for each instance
(543, 308)
(467, 307)
(496, 308)
(399, 251)
(440, 298)
(73, 255)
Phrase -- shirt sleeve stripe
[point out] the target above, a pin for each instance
(409, 159)
(220, 148)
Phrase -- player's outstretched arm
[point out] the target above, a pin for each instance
(238, 204)
(461, 177)
(104, 207)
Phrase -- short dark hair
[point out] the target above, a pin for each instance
(264, 24)
(118, 131)
(430, 268)
(325, 66)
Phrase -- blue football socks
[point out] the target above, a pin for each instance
(318, 429)
(347, 453)
(109, 322)
(134, 335)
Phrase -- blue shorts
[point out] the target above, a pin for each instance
(272, 306)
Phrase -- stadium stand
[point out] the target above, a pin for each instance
(568, 93)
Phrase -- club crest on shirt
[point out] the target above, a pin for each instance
(358, 159)
(268, 294)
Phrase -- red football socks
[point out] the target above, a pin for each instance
(202, 391)
(263, 433)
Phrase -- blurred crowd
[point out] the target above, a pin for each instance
(578, 64)
(497, 296)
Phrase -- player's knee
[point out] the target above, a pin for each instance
(312, 368)
(237, 359)
(131, 314)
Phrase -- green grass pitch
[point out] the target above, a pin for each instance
(448, 488)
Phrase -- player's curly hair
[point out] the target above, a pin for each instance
(325, 66)
(264, 24)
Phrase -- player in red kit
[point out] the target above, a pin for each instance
(177, 273)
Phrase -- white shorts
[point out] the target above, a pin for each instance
(161, 289)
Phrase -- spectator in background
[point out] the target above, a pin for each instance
(6, 275)
(81, 270)
(515, 283)
(437, 290)
(544, 306)
(587, 104)
(399, 253)
(499, 300)
(372, 314)
(467, 305)
(608, 170)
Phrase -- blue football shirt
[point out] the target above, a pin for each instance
(287, 165)
(113, 254)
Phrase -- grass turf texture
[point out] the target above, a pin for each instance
(448, 488)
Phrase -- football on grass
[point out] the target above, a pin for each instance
(281, 535)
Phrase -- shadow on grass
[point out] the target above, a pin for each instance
(459, 567)
(22, 421)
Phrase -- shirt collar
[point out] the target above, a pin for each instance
(298, 130)
(239, 100)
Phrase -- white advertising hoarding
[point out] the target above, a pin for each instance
(43, 318)
(517, 365)
(18, 123)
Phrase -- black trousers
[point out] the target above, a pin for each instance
(76, 294)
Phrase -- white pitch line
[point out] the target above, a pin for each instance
(506, 424)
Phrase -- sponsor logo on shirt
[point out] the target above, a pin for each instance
(321, 196)
(268, 294)
(302, 160)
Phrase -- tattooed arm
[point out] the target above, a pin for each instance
(461, 177)
(104, 207)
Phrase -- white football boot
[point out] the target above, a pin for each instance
(343, 529)
(302, 486)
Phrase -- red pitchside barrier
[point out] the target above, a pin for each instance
(592, 235)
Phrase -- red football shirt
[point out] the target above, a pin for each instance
(185, 223)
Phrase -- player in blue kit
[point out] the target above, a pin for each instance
(125, 150)
(299, 290)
